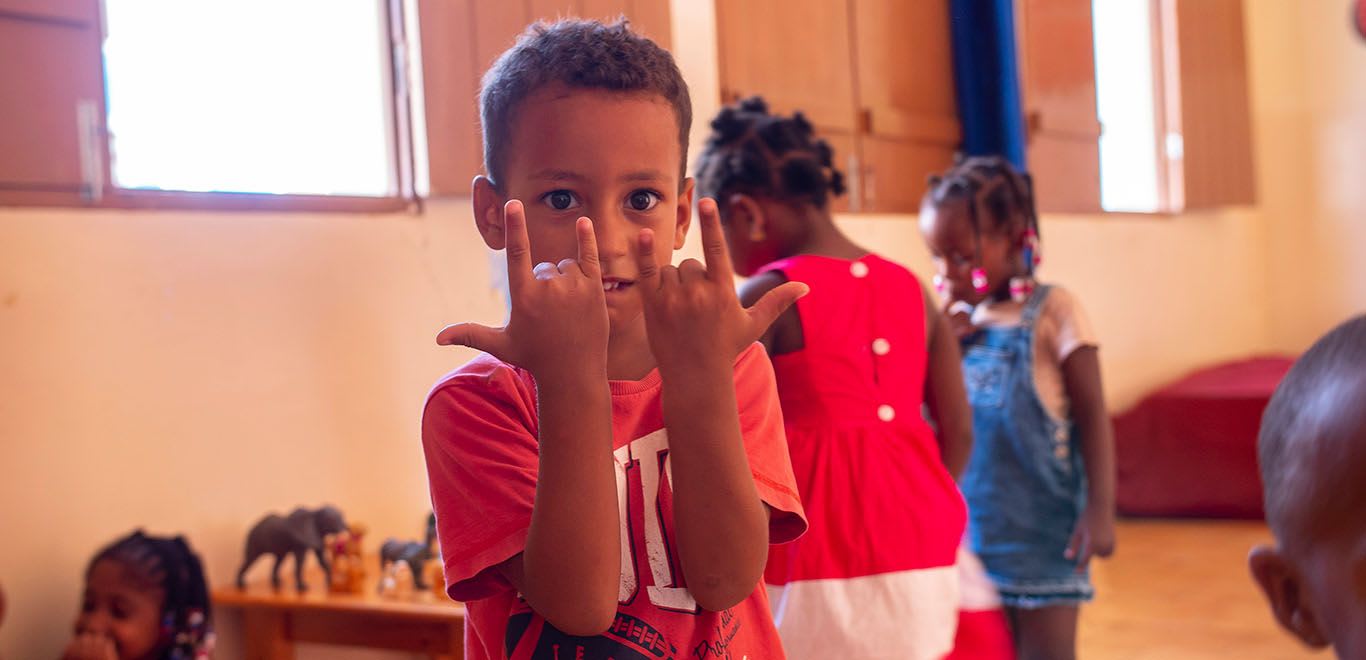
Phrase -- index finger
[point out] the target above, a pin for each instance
(714, 242)
(516, 242)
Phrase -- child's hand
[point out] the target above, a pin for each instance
(559, 311)
(90, 646)
(1094, 536)
(692, 314)
(959, 314)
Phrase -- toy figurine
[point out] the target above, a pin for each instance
(412, 553)
(348, 568)
(302, 532)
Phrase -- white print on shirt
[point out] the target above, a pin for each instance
(650, 455)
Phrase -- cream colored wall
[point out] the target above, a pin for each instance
(190, 371)
(1312, 100)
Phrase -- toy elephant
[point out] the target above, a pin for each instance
(414, 553)
(298, 534)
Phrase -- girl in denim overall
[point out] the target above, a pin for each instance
(1040, 480)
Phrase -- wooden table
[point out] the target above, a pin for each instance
(273, 621)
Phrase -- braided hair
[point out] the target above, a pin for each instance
(998, 198)
(756, 153)
(169, 563)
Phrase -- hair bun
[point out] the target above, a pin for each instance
(755, 104)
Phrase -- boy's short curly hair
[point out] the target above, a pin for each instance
(580, 54)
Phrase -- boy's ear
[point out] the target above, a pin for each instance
(748, 216)
(488, 212)
(1284, 591)
(684, 214)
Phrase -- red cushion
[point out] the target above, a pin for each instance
(1190, 449)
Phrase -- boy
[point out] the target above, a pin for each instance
(597, 493)
(1312, 451)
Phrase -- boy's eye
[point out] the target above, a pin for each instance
(643, 200)
(560, 200)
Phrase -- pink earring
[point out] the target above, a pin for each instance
(940, 286)
(1021, 288)
(979, 280)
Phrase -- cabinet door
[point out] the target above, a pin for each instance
(895, 172)
(52, 141)
(461, 38)
(795, 53)
(1058, 72)
(848, 162)
(906, 92)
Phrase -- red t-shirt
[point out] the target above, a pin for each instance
(479, 433)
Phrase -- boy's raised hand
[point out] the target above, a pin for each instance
(692, 314)
(559, 311)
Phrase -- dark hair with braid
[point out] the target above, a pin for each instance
(998, 196)
(579, 54)
(169, 564)
(756, 153)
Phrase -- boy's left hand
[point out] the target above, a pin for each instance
(692, 314)
(1094, 536)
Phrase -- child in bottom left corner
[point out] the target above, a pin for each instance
(145, 597)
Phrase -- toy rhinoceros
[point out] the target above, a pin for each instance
(298, 534)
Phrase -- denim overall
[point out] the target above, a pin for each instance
(1025, 484)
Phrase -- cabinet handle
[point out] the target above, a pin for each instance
(88, 139)
(855, 191)
(870, 176)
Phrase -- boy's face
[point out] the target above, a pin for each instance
(611, 157)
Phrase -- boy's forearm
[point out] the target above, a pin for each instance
(571, 564)
(721, 523)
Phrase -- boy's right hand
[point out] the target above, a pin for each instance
(90, 646)
(558, 323)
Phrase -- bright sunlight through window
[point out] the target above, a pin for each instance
(260, 96)
(1124, 98)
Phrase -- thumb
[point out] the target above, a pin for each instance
(768, 308)
(479, 337)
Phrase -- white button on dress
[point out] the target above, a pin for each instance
(858, 269)
(881, 346)
(886, 413)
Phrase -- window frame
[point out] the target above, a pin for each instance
(97, 190)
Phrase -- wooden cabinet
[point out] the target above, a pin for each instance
(461, 38)
(52, 102)
(874, 76)
(1058, 77)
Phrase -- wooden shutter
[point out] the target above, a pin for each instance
(905, 88)
(462, 38)
(797, 54)
(1213, 165)
(52, 102)
(1058, 76)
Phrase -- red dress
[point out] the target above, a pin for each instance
(874, 575)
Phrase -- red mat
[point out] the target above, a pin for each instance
(1190, 449)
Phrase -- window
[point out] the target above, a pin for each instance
(246, 104)
(1172, 97)
(256, 96)
(1136, 105)
(1127, 105)
(282, 103)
